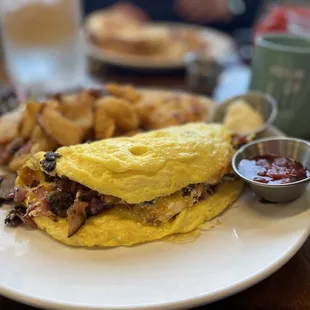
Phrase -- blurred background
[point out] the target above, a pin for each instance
(243, 20)
(53, 46)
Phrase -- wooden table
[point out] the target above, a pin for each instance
(288, 288)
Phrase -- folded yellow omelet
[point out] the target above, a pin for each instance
(129, 190)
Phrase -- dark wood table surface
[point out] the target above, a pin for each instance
(286, 289)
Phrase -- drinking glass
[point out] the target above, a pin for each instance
(281, 68)
(43, 44)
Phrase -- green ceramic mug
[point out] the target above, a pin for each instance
(281, 68)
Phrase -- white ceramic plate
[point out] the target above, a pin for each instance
(221, 45)
(244, 245)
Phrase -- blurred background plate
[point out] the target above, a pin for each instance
(221, 46)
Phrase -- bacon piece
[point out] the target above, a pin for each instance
(40, 206)
(20, 195)
(7, 184)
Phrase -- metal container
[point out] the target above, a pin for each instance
(202, 73)
(261, 102)
(284, 147)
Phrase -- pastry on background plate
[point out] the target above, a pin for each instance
(129, 190)
(121, 33)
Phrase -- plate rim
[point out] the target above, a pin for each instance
(97, 53)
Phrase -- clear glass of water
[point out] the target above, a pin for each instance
(43, 44)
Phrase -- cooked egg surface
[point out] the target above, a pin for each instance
(119, 227)
(241, 118)
(148, 165)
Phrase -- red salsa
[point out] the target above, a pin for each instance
(271, 169)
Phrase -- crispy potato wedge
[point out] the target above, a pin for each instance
(9, 124)
(104, 125)
(145, 111)
(126, 92)
(29, 118)
(41, 142)
(87, 97)
(124, 114)
(79, 109)
(17, 162)
(70, 106)
(38, 142)
(63, 130)
(11, 149)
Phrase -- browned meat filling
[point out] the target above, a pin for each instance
(7, 183)
(76, 203)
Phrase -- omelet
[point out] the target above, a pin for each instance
(129, 190)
